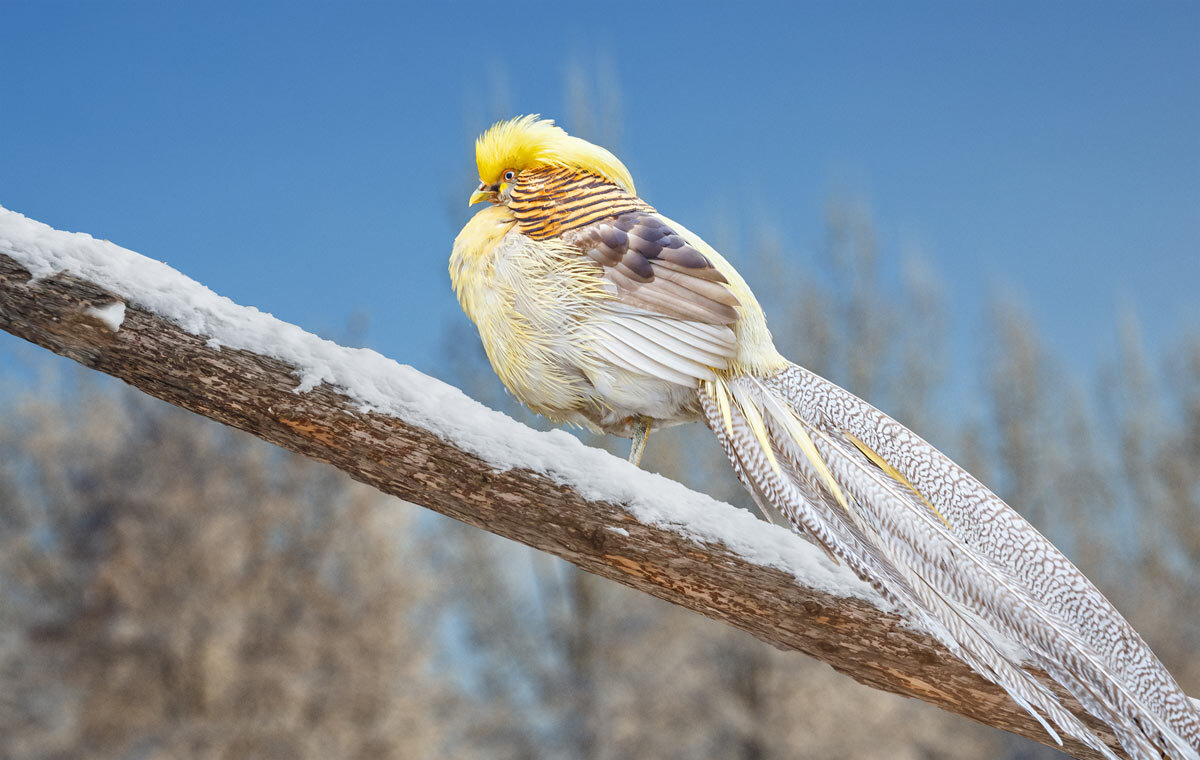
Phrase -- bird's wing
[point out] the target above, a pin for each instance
(654, 269)
(672, 312)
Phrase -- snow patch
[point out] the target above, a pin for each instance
(376, 383)
(111, 314)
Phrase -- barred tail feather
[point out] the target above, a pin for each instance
(900, 513)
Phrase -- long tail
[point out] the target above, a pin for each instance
(935, 541)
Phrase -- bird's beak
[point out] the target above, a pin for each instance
(482, 193)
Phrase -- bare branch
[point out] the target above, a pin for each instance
(257, 394)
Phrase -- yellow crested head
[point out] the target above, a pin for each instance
(529, 142)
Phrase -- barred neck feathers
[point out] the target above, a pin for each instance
(548, 202)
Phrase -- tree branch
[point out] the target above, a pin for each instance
(405, 457)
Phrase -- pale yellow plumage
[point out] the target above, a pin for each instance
(521, 294)
(596, 310)
(547, 319)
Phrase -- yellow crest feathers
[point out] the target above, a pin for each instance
(528, 142)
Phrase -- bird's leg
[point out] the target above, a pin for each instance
(641, 434)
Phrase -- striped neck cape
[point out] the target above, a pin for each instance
(550, 201)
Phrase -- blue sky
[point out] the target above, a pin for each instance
(314, 159)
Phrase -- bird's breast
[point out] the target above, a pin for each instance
(530, 302)
(536, 305)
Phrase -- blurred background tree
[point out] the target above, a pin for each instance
(169, 588)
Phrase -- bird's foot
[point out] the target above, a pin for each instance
(641, 434)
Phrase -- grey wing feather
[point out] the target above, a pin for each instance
(673, 312)
(654, 269)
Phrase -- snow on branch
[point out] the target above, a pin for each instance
(414, 437)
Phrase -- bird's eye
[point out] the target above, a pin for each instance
(509, 175)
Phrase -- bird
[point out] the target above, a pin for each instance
(598, 311)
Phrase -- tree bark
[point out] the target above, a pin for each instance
(256, 394)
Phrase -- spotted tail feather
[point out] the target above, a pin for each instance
(937, 543)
